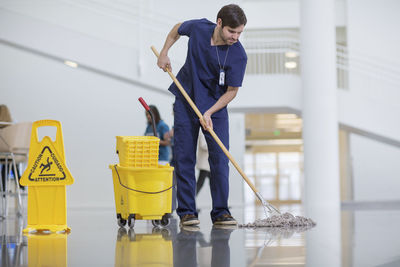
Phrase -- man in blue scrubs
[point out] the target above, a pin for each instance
(212, 74)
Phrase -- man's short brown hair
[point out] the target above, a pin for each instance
(232, 16)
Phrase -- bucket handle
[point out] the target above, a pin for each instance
(139, 191)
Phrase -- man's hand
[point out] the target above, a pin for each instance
(227, 97)
(163, 60)
(164, 63)
(206, 122)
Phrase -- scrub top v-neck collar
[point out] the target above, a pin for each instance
(224, 46)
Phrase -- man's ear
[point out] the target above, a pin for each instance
(219, 22)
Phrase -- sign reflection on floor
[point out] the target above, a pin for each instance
(47, 249)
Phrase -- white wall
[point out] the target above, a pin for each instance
(368, 114)
(68, 44)
(373, 43)
(261, 91)
(376, 172)
(278, 14)
(374, 69)
(373, 60)
(372, 28)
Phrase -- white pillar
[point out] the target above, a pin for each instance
(320, 131)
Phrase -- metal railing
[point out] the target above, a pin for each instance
(342, 67)
(278, 52)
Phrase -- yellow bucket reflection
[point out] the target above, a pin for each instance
(143, 249)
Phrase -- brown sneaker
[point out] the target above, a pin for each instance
(225, 219)
(189, 219)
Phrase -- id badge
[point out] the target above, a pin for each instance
(221, 77)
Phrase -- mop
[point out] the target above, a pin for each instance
(276, 219)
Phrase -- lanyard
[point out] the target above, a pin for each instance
(219, 63)
(221, 69)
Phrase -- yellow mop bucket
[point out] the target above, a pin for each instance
(46, 177)
(142, 194)
(142, 188)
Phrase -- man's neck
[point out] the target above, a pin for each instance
(215, 39)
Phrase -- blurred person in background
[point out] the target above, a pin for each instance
(161, 128)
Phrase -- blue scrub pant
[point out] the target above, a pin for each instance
(186, 131)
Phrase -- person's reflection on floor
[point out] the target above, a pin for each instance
(185, 246)
(220, 255)
(185, 254)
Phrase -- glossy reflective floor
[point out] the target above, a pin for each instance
(369, 236)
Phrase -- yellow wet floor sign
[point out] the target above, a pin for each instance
(46, 177)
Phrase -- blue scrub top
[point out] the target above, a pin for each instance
(161, 128)
(199, 75)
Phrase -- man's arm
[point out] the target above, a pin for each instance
(163, 60)
(221, 103)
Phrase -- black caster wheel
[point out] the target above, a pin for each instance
(156, 223)
(131, 221)
(165, 221)
(121, 221)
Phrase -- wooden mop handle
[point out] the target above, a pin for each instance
(211, 131)
(187, 97)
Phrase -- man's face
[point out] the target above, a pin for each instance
(230, 35)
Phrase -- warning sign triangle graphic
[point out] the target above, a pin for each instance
(47, 167)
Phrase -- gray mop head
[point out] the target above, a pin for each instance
(285, 220)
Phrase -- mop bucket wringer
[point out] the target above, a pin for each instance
(142, 188)
(138, 151)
